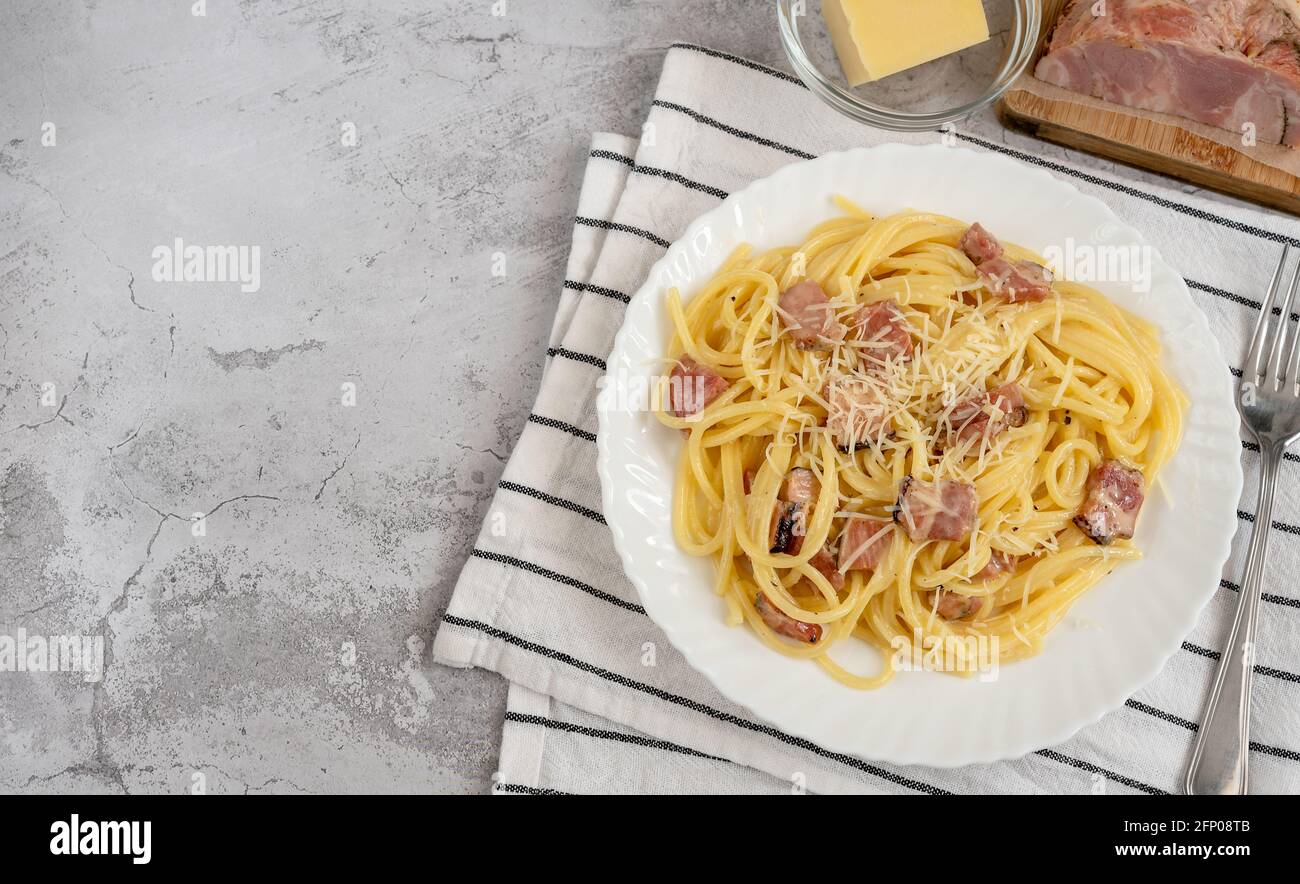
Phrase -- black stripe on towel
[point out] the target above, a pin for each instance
(562, 426)
(1275, 751)
(731, 130)
(526, 790)
(564, 579)
(615, 736)
(1162, 715)
(1268, 596)
(552, 500)
(1233, 297)
(682, 180)
(1192, 726)
(595, 361)
(1277, 526)
(596, 290)
(1254, 446)
(1197, 649)
(1101, 771)
(1211, 654)
(660, 173)
(1222, 293)
(616, 157)
(621, 228)
(1277, 673)
(745, 62)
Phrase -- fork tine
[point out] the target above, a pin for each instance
(1252, 370)
(1276, 354)
(1293, 367)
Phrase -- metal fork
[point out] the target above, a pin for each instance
(1269, 402)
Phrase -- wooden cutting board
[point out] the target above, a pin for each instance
(1144, 139)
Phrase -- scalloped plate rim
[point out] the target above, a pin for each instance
(655, 603)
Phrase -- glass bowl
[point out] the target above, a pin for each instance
(925, 97)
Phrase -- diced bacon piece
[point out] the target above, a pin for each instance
(825, 563)
(792, 511)
(859, 411)
(1009, 401)
(1115, 495)
(750, 475)
(864, 543)
(782, 624)
(943, 510)
(810, 318)
(692, 387)
(953, 605)
(999, 563)
(801, 486)
(1019, 282)
(988, 413)
(885, 331)
(789, 525)
(980, 245)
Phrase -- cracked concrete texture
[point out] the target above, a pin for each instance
(284, 646)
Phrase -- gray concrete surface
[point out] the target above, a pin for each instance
(284, 647)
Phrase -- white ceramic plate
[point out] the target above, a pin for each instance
(1116, 638)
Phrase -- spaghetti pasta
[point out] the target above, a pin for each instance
(915, 462)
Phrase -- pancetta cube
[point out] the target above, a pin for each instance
(943, 510)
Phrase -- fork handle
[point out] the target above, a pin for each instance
(1221, 752)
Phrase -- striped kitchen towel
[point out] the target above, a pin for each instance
(600, 701)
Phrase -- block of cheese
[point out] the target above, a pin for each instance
(876, 38)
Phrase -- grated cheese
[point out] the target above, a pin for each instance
(1066, 378)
